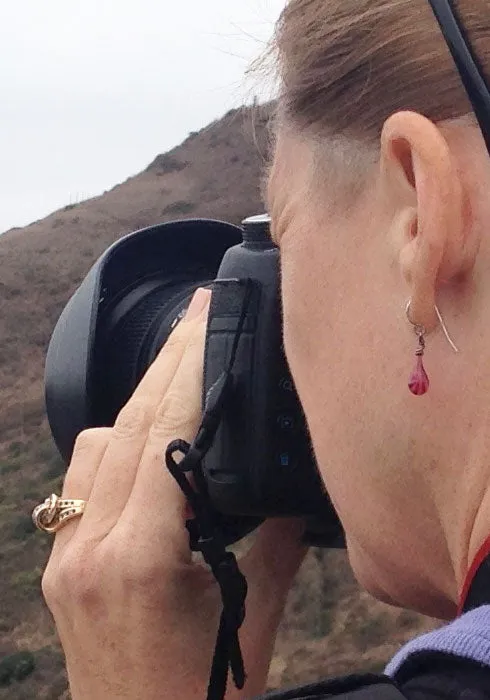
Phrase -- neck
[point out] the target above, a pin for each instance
(480, 531)
(463, 508)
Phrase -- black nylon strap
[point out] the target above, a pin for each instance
(223, 564)
(227, 651)
(204, 532)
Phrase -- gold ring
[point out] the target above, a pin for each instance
(55, 512)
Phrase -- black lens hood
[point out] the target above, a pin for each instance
(190, 247)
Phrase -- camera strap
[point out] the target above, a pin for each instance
(203, 530)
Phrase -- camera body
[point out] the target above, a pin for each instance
(261, 462)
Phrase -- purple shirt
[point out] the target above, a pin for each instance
(468, 636)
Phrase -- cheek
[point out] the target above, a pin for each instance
(336, 328)
(307, 312)
(300, 298)
(310, 307)
(312, 349)
(327, 341)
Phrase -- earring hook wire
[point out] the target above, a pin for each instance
(441, 321)
(446, 332)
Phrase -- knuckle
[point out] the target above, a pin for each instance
(138, 573)
(149, 578)
(78, 578)
(132, 420)
(89, 439)
(176, 414)
(141, 575)
(49, 587)
(177, 339)
(195, 351)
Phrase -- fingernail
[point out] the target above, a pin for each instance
(198, 303)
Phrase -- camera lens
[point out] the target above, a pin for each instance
(120, 316)
(133, 330)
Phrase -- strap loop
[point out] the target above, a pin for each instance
(207, 539)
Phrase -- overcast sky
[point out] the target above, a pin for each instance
(92, 90)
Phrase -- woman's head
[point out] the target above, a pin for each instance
(378, 193)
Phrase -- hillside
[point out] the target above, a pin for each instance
(330, 625)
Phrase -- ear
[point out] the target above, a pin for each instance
(431, 223)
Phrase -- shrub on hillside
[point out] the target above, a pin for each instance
(8, 468)
(165, 164)
(179, 208)
(27, 584)
(22, 526)
(47, 453)
(15, 448)
(323, 622)
(371, 631)
(16, 667)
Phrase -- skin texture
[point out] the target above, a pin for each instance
(408, 475)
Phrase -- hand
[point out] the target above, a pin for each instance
(136, 617)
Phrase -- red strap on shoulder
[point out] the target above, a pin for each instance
(482, 554)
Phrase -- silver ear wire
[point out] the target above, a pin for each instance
(441, 321)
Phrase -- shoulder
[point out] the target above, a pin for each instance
(442, 665)
(426, 675)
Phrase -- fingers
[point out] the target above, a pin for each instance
(89, 449)
(117, 472)
(156, 504)
(150, 389)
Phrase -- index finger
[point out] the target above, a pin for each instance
(120, 463)
(149, 388)
(155, 493)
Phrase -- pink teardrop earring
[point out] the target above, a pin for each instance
(418, 382)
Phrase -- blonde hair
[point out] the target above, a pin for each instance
(344, 66)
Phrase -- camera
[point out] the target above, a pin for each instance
(260, 463)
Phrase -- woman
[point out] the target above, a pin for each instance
(378, 194)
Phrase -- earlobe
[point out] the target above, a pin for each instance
(430, 209)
